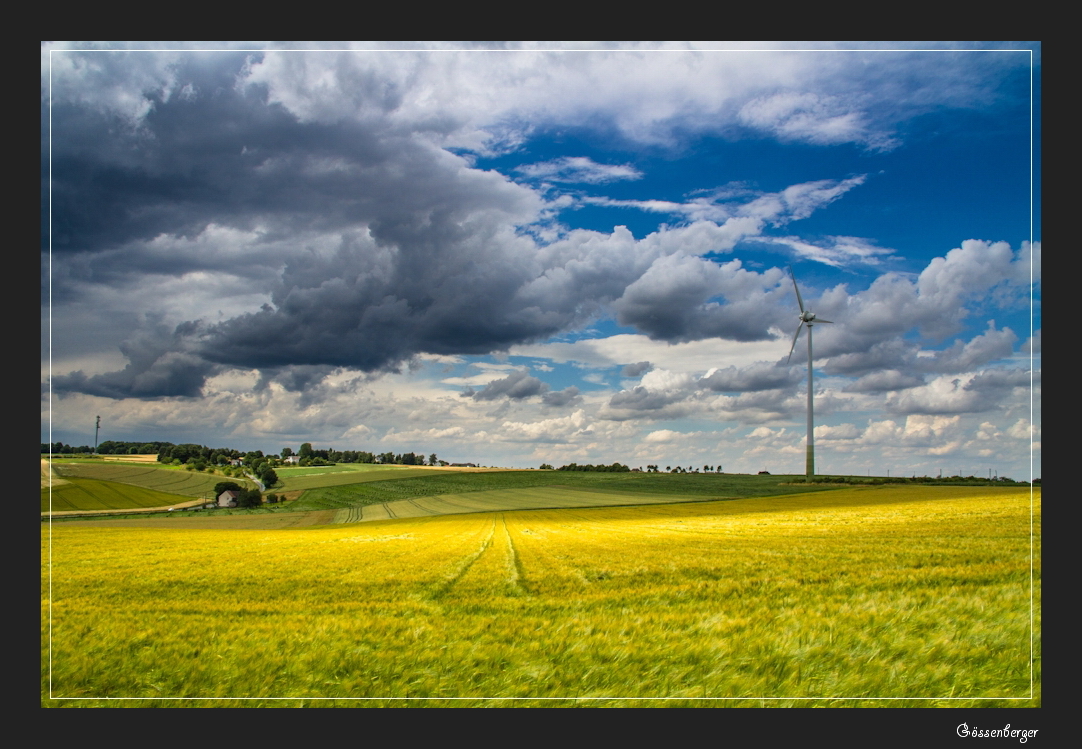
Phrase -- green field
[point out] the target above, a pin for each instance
(191, 484)
(635, 485)
(920, 595)
(90, 494)
(496, 500)
(293, 479)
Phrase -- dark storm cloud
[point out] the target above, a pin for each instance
(373, 242)
(158, 366)
(294, 379)
(427, 257)
(676, 299)
(220, 153)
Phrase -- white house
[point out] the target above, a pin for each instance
(228, 498)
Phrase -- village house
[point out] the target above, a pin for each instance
(228, 498)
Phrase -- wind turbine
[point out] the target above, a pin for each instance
(807, 318)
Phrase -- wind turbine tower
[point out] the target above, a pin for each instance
(807, 319)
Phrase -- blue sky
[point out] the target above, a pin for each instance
(531, 253)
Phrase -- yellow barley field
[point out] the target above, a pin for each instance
(886, 596)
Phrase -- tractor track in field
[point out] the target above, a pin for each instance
(515, 570)
(445, 586)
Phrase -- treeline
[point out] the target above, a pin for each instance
(614, 468)
(202, 457)
(310, 456)
(108, 447)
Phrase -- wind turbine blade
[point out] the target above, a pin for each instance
(797, 288)
(795, 335)
(819, 320)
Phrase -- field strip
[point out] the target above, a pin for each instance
(190, 484)
(124, 511)
(50, 477)
(499, 500)
(186, 521)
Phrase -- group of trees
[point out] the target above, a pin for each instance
(309, 456)
(201, 457)
(681, 469)
(200, 454)
(245, 497)
(614, 468)
(108, 447)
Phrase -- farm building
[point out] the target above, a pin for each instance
(228, 498)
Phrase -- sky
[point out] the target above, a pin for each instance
(548, 252)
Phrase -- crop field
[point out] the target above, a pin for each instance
(293, 479)
(919, 595)
(170, 481)
(548, 497)
(636, 485)
(89, 494)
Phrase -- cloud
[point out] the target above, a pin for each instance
(562, 398)
(759, 376)
(636, 369)
(987, 347)
(984, 391)
(306, 214)
(160, 364)
(516, 386)
(641, 399)
(579, 169)
(558, 430)
(745, 211)
(674, 300)
(814, 118)
(885, 381)
(645, 91)
(834, 251)
(937, 303)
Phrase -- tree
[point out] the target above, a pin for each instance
(306, 450)
(226, 486)
(286, 452)
(433, 460)
(250, 498)
(268, 477)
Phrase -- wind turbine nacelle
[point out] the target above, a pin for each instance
(807, 316)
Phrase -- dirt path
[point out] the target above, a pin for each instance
(47, 472)
(128, 511)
